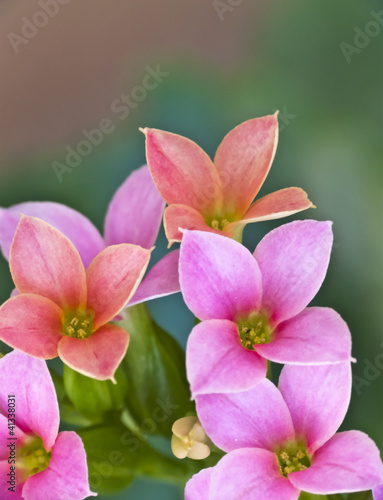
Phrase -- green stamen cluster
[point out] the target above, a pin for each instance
(218, 223)
(254, 331)
(78, 324)
(293, 458)
(32, 458)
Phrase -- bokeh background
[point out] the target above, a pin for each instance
(319, 63)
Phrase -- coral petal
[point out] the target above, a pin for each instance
(99, 355)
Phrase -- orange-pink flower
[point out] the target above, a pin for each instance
(63, 310)
(218, 196)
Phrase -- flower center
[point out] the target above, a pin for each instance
(254, 330)
(293, 458)
(78, 324)
(32, 457)
(219, 223)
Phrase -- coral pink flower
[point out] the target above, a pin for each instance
(63, 310)
(134, 216)
(282, 442)
(217, 197)
(253, 307)
(49, 465)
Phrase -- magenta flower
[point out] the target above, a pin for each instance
(281, 442)
(63, 310)
(253, 307)
(134, 216)
(218, 196)
(47, 464)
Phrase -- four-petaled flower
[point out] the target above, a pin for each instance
(217, 197)
(134, 216)
(253, 307)
(281, 442)
(63, 310)
(47, 464)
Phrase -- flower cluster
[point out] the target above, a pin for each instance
(75, 296)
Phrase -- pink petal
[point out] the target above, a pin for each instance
(216, 362)
(282, 203)
(5, 493)
(317, 335)
(219, 277)
(182, 171)
(75, 226)
(113, 277)
(243, 161)
(257, 418)
(44, 262)
(99, 355)
(293, 260)
(250, 474)
(197, 488)
(318, 399)
(348, 462)
(67, 474)
(377, 493)
(135, 212)
(32, 324)
(177, 217)
(29, 380)
(161, 280)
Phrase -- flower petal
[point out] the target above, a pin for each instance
(32, 324)
(75, 226)
(293, 260)
(177, 217)
(44, 262)
(29, 380)
(257, 418)
(282, 203)
(243, 161)
(348, 462)
(249, 474)
(197, 488)
(317, 335)
(113, 277)
(161, 280)
(5, 493)
(99, 355)
(318, 399)
(377, 493)
(135, 212)
(67, 473)
(216, 362)
(182, 171)
(219, 277)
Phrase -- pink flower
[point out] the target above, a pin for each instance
(217, 197)
(134, 216)
(281, 442)
(63, 310)
(377, 492)
(49, 465)
(253, 307)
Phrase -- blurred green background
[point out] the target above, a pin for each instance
(224, 65)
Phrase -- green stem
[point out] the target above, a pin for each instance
(238, 233)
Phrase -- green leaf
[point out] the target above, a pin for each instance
(155, 365)
(93, 399)
(115, 455)
(310, 496)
